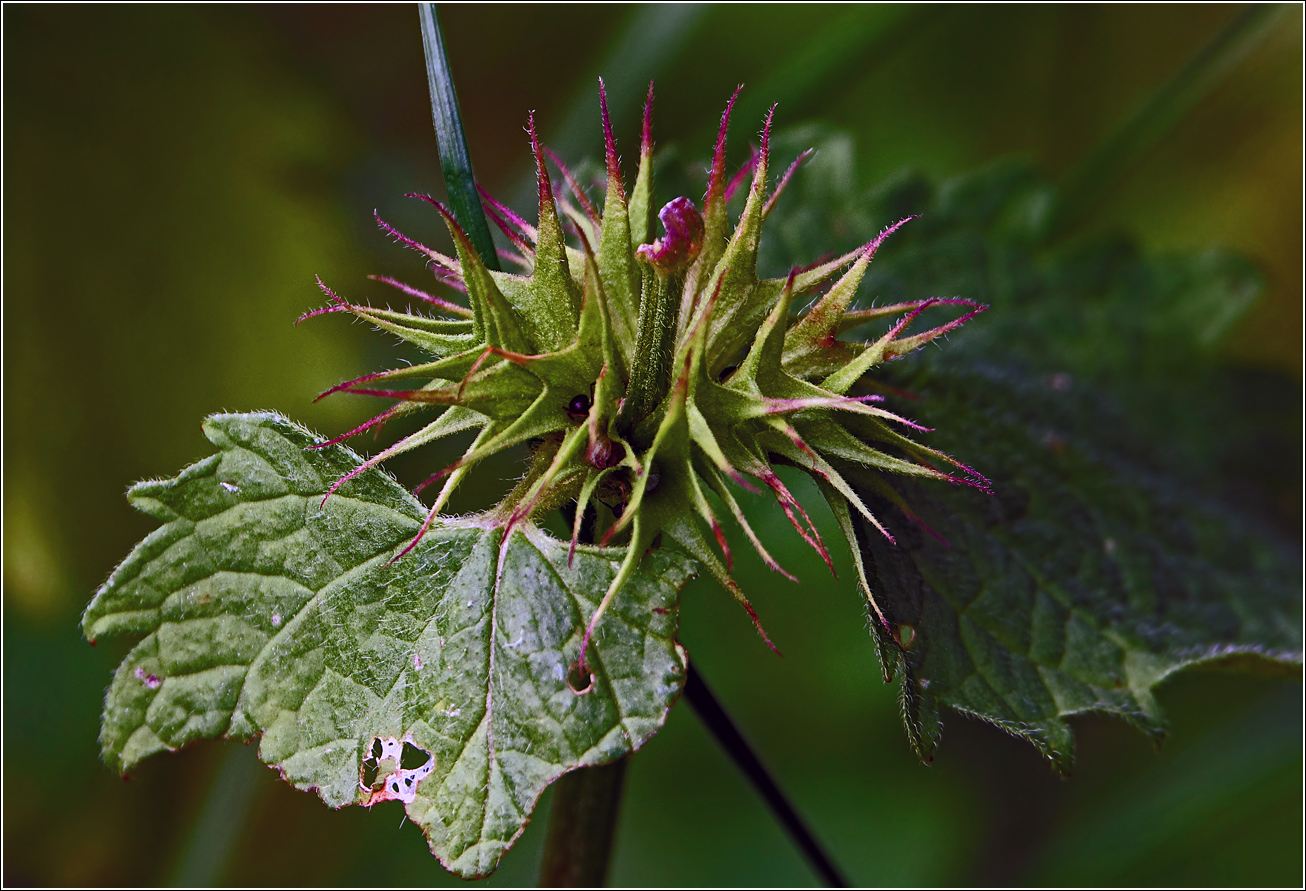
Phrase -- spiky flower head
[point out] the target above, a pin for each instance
(649, 371)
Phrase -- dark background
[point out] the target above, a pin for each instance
(175, 176)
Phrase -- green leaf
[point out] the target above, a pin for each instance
(1121, 543)
(1092, 574)
(440, 679)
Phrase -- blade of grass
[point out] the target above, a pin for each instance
(222, 817)
(647, 43)
(1166, 107)
(845, 49)
(455, 161)
(652, 37)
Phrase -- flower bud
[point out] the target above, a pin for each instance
(674, 252)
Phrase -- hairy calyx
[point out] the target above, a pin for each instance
(651, 371)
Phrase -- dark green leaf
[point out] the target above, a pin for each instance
(1126, 537)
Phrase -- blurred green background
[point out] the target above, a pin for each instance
(175, 176)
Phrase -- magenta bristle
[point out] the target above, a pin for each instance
(929, 530)
(745, 173)
(874, 244)
(741, 481)
(721, 543)
(330, 293)
(430, 518)
(646, 135)
(766, 134)
(787, 501)
(510, 215)
(388, 394)
(784, 180)
(446, 305)
(366, 425)
(772, 565)
(819, 261)
(437, 476)
(524, 262)
(610, 144)
(340, 482)
(906, 320)
(954, 324)
(358, 380)
(518, 242)
(714, 184)
(396, 234)
(757, 623)
(541, 172)
(320, 311)
(586, 205)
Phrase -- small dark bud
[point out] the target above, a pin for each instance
(579, 406)
(684, 239)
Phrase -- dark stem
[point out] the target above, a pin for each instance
(582, 824)
(709, 710)
(455, 160)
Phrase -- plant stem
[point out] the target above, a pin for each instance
(455, 160)
(719, 723)
(582, 826)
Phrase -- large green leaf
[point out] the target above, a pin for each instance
(1091, 574)
(1127, 536)
(440, 679)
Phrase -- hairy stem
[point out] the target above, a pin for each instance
(651, 372)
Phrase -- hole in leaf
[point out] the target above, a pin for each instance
(370, 771)
(580, 680)
(413, 757)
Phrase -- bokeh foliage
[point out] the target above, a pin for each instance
(176, 176)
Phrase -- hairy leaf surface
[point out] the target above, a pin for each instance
(440, 680)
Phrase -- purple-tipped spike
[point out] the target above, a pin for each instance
(447, 262)
(766, 135)
(715, 184)
(610, 144)
(646, 136)
(510, 215)
(784, 180)
(586, 205)
(541, 172)
(348, 384)
(366, 425)
(452, 308)
(745, 173)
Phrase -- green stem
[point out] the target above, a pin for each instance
(1166, 106)
(655, 341)
(582, 826)
(455, 160)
